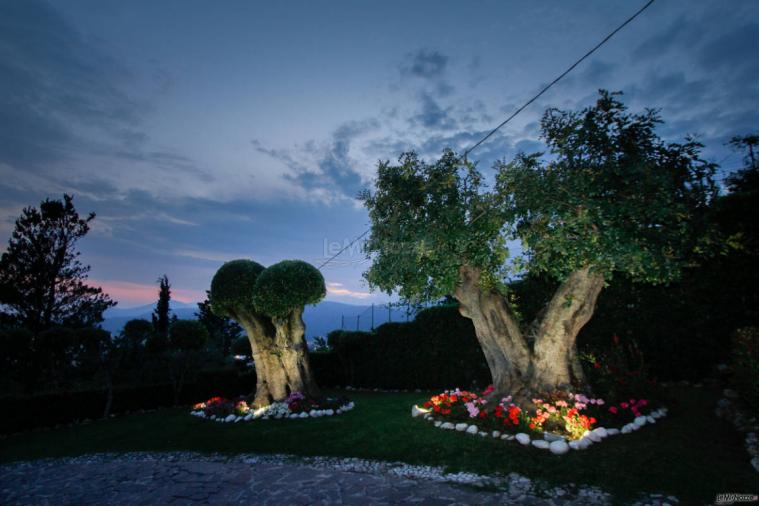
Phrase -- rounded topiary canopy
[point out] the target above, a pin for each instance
(233, 285)
(288, 285)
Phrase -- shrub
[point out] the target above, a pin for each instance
(745, 365)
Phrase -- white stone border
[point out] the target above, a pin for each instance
(558, 445)
(275, 411)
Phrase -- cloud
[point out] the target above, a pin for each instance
(55, 85)
(210, 255)
(66, 105)
(424, 64)
(676, 35)
(334, 288)
(734, 50)
(428, 67)
(432, 115)
(333, 172)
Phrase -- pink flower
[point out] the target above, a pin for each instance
(623, 405)
(613, 410)
(600, 402)
(472, 409)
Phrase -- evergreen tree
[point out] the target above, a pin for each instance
(222, 330)
(42, 281)
(161, 317)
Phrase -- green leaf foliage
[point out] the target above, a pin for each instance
(611, 195)
(427, 220)
(232, 286)
(287, 285)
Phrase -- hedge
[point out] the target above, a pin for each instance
(437, 350)
(50, 409)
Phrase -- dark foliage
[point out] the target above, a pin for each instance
(161, 317)
(436, 350)
(222, 331)
(42, 281)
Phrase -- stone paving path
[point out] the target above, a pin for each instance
(200, 479)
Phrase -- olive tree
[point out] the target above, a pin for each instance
(611, 197)
(268, 303)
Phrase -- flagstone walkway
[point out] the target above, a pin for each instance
(199, 479)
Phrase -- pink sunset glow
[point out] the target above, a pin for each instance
(128, 293)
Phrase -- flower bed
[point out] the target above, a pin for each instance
(296, 405)
(561, 422)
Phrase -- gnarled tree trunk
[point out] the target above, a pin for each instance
(555, 362)
(497, 331)
(552, 362)
(280, 355)
(261, 337)
(291, 342)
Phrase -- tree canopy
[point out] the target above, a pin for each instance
(244, 285)
(288, 285)
(610, 194)
(187, 335)
(232, 286)
(42, 281)
(427, 220)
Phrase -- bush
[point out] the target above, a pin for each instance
(47, 410)
(436, 350)
(745, 365)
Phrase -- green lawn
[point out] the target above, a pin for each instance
(690, 453)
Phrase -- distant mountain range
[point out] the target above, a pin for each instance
(320, 319)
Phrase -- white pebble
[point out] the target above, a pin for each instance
(523, 438)
(558, 447)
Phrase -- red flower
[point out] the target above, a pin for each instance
(613, 410)
(596, 365)
(615, 338)
(483, 414)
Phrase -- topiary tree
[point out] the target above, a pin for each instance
(268, 303)
(613, 197)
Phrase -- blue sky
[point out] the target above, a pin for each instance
(201, 132)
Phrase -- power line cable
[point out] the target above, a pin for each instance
(560, 77)
(344, 248)
(523, 107)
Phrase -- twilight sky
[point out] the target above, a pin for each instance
(200, 132)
